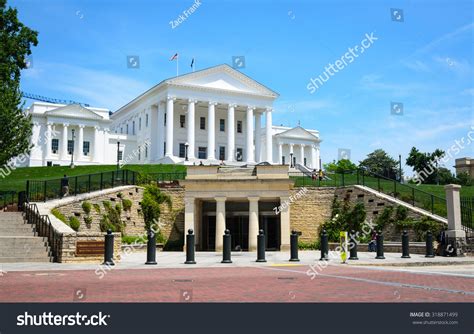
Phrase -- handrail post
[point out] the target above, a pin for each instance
(27, 188)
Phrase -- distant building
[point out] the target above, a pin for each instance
(465, 165)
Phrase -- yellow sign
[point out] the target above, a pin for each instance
(343, 246)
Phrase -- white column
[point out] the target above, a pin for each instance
(80, 143)
(231, 133)
(190, 128)
(161, 130)
(211, 131)
(64, 143)
(314, 164)
(292, 154)
(302, 154)
(280, 153)
(258, 136)
(189, 206)
(253, 223)
(169, 125)
(318, 158)
(48, 136)
(95, 145)
(152, 112)
(249, 142)
(220, 222)
(285, 223)
(269, 136)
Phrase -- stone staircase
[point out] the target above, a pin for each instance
(18, 240)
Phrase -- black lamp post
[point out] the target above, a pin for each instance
(118, 156)
(291, 160)
(186, 145)
(72, 149)
(400, 167)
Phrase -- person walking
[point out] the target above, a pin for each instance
(65, 186)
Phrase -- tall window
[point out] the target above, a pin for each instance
(139, 124)
(182, 120)
(133, 128)
(146, 120)
(86, 148)
(164, 147)
(146, 151)
(121, 130)
(127, 130)
(202, 123)
(222, 125)
(221, 152)
(239, 126)
(70, 146)
(55, 145)
(182, 150)
(165, 118)
(202, 152)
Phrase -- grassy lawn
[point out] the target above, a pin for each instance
(17, 179)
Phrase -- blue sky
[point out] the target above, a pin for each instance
(424, 62)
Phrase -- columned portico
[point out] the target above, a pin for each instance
(269, 135)
(64, 153)
(48, 137)
(211, 131)
(80, 143)
(220, 222)
(249, 138)
(253, 223)
(302, 154)
(280, 153)
(169, 125)
(95, 146)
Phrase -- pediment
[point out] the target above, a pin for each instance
(74, 111)
(222, 77)
(298, 133)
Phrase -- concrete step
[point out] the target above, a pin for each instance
(24, 251)
(12, 241)
(15, 259)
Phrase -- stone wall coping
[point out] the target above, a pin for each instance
(45, 208)
(408, 206)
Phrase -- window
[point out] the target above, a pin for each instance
(121, 130)
(222, 125)
(120, 155)
(86, 148)
(239, 126)
(139, 154)
(55, 145)
(202, 123)
(127, 130)
(146, 151)
(133, 128)
(182, 150)
(182, 120)
(70, 146)
(239, 154)
(202, 152)
(283, 160)
(146, 120)
(164, 148)
(139, 124)
(165, 119)
(221, 152)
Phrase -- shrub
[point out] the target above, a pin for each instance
(401, 213)
(424, 225)
(385, 218)
(127, 204)
(87, 207)
(96, 208)
(151, 204)
(118, 208)
(74, 223)
(308, 245)
(88, 220)
(120, 195)
(111, 218)
(132, 239)
(106, 205)
(59, 215)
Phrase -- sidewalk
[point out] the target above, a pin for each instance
(243, 259)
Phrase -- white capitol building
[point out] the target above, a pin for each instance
(211, 116)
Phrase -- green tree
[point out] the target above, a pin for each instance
(425, 165)
(15, 126)
(343, 165)
(445, 176)
(379, 162)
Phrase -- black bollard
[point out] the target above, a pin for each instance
(261, 247)
(353, 246)
(109, 249)
(227, 244)
(151, 248)
(405, 245)
(294, 247)
(380, 246)
(190, 247)
(324, 246)
(429, 244)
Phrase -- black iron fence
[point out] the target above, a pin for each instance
(404, 192)
(38, 191)
(467, 214)
(43, 228)
(7, 199)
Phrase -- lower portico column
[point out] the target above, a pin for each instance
(231, 133)
(189, 206)
(269, 136)
(95, 146)
(249, 157)
(64, 152)
(258, 135)
(285, 223)
(49, 138)
(280, 153)
(80, 143)
(220, 222)
(302, 154)
(169, 125)
(190, 128)
(253, 223)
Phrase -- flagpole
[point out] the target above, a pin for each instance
(177, 66)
